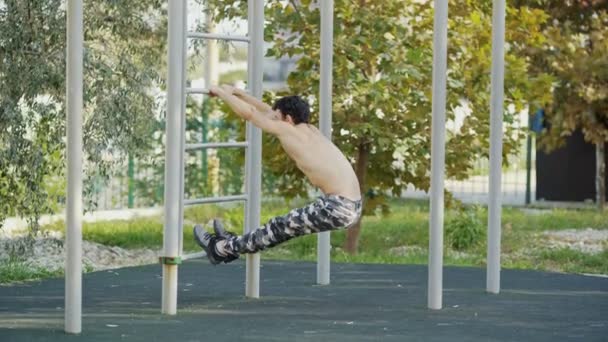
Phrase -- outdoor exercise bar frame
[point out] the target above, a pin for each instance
(176, 91)
(435, 273)
(74, 76)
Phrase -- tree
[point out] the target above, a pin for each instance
(577, 55)
(382, 87)
(124, 43)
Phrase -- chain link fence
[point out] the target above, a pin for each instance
(140, 187)
(518, 186)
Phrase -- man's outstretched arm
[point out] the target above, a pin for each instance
(248, 111)
(243, 95)
(262, 107)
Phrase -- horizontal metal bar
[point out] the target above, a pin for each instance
(194, 256)
(204, 91)
(201, 146)
(227, 37)
(197, 91)
(220, 199)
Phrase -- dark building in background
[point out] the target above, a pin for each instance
(568, 173)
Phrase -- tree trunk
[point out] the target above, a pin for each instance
(352, 234)
(600, 175)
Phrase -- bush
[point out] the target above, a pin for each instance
(465, 229)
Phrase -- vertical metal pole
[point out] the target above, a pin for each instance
(211, 78)
(440, 44)
(325, 122)
(211, 67)
(73, 265)
(172, 154)
(131, 184)
(498, 66)
(254, 136)
(204, 166)
(528, 199)
(600, 175)
(182, 149)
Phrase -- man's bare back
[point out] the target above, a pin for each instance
(320, 160)
(316, 156)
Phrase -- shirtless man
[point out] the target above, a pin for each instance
(319, 159)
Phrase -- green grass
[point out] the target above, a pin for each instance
(15, 271)
(567, 260)
(148, 232)
(140, 233)
(555, 219)
(407, 225)
(233, 76)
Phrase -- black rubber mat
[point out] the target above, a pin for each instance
(363, 303)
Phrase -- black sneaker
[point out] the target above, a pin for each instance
(208, 241)
(219, 230)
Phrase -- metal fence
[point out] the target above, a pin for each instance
(118, 194)
(475, 189)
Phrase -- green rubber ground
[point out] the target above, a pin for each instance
(363, 303)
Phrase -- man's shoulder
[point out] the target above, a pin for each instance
(282, 129)
(307, 132)
(307, 129)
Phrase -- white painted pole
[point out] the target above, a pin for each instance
(212, 54)
(211, 78)
(440, 43)
(325, 123)
(182, 148)
(494, 213)
(73, 265)
(254, 136)
(172, 154)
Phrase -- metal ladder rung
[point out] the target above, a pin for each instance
(197, 91)
(220, 199)
(203, 35)
(194, 255)
(200, 146)
(203, 91)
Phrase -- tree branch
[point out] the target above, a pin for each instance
(295, 7)
(358, 67)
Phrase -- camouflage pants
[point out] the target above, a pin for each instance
(329, 212)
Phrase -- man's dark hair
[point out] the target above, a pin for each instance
(295, 107)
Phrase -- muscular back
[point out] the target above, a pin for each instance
(321, 161)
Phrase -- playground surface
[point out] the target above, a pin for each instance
(363, 303)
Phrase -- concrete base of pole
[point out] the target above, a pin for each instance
(73, 311)
(323, 258)
(169, 301)
(252, 282)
